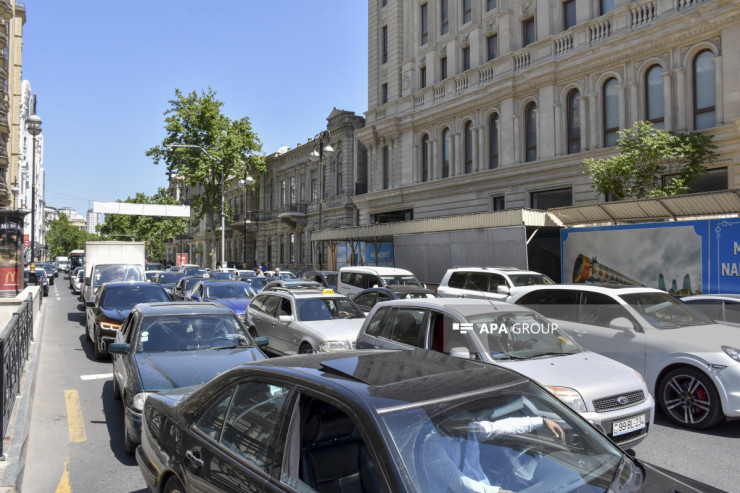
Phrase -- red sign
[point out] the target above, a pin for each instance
(26, 241)
(182, 258)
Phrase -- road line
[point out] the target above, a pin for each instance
(74, 417)
(64, 486)
(99, 376)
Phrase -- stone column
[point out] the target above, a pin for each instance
(681, 99)
(561, 130)
(634, 107)
(667, 101)
(719, 112)
(585, 128)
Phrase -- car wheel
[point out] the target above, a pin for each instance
(688, 398)
(173, 485)
(96, 348)
(116, 389)
(305, 348)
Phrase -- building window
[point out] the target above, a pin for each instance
(654, 109)
(530, 132)
(444, 17)
(443, 68)
(547, 199)
(704, 116)
(611, 113)
(528, 32)
(283, 198)
(340, 170)
(422, 77)
(574, 122)
(605, 6)
(569, 14)
(492, 46)
(383, 3)
(466, 58)
(425, 158)
(292, 190)
(386, 167)
(424, 24)
(467, 11)
(499, 203)
(314, 186)
(490, 5)
(493, 142)
(384, 93)
(446, 152)
(384, 55)
(469, 147)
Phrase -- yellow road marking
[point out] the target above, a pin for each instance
(74, 417)
(64, 486)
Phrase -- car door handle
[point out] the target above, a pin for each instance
(192, 461)
(580, 332)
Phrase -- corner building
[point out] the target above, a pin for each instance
(486, 105)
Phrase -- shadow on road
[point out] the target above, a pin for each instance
(113, 411)
(725, 429)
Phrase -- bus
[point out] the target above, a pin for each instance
(76, 259)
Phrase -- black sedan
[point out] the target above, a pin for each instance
(167, 279)
(184, 284)
(371, 421)
(369, 297)
(111, 306)
(169, 345)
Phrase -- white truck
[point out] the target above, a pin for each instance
(107, 261)
(62, 264)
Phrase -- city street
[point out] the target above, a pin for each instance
(76, 436)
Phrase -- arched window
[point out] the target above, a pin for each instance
(704, 116)
(493, 141)
(530, 132)
(654, 110)
(469, 147)
(446, 152)
(425, 158)
(611, 112)
(574, 122)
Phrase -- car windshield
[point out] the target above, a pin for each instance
(530, 279)
(514, 436)
(223, 276)
(169, 277)
(525, 334)
(310, 310)
(331, 279)
(190, 332)
(195, 271)
(663, 311)
(216, 291)
(118, 272)
(125, 297)
(400, 281)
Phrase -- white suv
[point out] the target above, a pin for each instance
(496, 283)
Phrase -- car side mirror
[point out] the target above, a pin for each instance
(262, 341)
(285, 318)
(119, 348)
(195, 297)
(460, 352)
(503, 290)
(622, 323)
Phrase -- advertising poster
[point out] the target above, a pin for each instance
(11, 236)
(724, 274)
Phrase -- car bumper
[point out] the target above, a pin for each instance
(605, 422)
(147, 468)
(728, 382)
(132, 421)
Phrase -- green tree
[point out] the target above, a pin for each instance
(62, 237)
(651, 163)
(151, 229)
(196, 120)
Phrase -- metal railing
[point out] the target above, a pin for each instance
(15, 342)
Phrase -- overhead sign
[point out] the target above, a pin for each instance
(128, 209)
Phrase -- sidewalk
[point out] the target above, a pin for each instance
(15, 443)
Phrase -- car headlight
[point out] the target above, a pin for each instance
(639, 375)
(109, 326)
(328, 346)
(732, 352)
(570, 397)
(139, 400)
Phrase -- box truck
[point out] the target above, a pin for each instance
(107, 261)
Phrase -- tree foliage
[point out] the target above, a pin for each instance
(196, 120)
(651, 163)
(151, 229)
(62, 237)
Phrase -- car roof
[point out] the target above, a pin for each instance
(598, 288)
(376, 270)
(397, 288)
(462, 306)
(505, 270)
(181, 308)
(718, 296)
(131, 284)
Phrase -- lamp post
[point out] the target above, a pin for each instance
(319, 156)
(246, 182)
(33, 125)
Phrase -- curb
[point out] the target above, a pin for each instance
(14, 463)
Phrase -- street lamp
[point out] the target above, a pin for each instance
(33, 125)
(246, 182)
(319, 156)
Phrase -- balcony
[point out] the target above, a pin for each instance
(4, 126)
(293, 215)
(6, 9)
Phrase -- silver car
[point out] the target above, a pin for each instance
(304, 321)
(691, 363)
(607, 393)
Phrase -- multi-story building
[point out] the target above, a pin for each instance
(485, 105)
(93, 219)
(75, 218)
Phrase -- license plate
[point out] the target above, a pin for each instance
(627, 425)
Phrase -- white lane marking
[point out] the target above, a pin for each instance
(99, 376)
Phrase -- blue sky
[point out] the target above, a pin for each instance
(104, 71)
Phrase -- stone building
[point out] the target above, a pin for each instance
(486, 105)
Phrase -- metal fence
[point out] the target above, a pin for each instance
(15, 341)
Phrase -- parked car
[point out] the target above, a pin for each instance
(719, 307)
(75, 271)
(354, 279)
(40, 280)
(77, 280)
(691, 363)
(234, 295)
(326, 277)
(168, 345)
(369, 421)
(516, 337)
(304, 321)
(48, 270)
(50, 267)
(367, 298)
(111, 305)
(183, 285)
(496, 283)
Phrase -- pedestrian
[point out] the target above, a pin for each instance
(277, 276)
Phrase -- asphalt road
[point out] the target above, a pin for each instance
(76, 436)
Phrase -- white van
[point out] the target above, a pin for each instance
(354, 279)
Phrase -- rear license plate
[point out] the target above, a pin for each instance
(627, 425)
